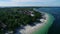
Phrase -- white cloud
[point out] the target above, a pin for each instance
(13, 4)
(27, 3)
(8, 4)
(20, 0)
(31, 0)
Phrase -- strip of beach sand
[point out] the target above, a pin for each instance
(29, 29)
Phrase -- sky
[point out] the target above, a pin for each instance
(5, 3)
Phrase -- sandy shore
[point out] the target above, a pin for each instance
(29, 29)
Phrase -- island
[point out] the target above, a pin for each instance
(26, 20)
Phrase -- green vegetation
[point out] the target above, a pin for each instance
(15, 17)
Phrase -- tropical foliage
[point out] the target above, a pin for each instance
(15, 17)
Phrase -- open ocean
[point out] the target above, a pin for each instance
(55, 11)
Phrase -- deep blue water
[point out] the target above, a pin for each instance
(55, 11)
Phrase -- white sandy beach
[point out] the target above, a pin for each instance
(29, 29)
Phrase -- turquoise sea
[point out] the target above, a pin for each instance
(45, 27)
(55, 11)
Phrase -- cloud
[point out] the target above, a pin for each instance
(7, 4)
(31, 0)
(29, 3)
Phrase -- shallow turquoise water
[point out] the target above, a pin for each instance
(45, 27)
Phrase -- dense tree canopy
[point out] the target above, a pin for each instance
(12, 17)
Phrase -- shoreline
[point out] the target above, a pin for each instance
(45, 27)
(29, 29)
